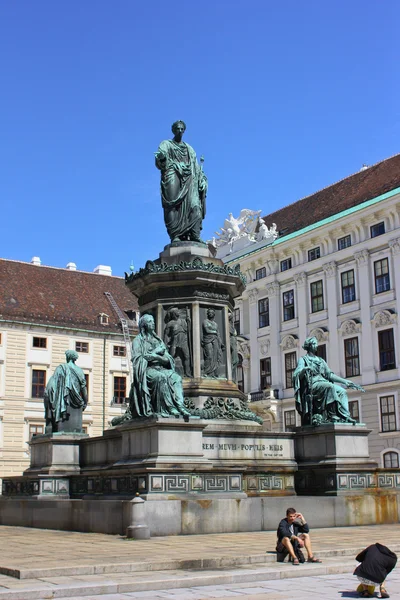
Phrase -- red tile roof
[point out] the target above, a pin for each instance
(49, 295)
(348, 192)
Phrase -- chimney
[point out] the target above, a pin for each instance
(102, 270)
(71, 266)
(35, 260)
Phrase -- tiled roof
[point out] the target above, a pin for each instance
(48, 295)
(345, 194)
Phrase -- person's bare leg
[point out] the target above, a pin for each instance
(289, 547)
(307, 544)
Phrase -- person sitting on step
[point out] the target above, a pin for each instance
(293, 534)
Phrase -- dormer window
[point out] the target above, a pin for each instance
(103, 319)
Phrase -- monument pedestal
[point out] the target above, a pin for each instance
(54, 458)
(332, 459)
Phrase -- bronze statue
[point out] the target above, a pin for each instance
(183, 187)
(156, 387)
(65, 397)
(319, 399)
(176, 338)
(233, 346)
(212, 345)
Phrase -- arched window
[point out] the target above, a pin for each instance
(240, 376)
(391, 460)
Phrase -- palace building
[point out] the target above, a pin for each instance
(332, 272)
(45, 311)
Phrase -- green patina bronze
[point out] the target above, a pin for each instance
(183, 187)
(319, 400)
(156, 387)
(223, 408)
(196, 264)
(65, 397)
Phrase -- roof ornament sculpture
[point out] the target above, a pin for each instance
(237, 233)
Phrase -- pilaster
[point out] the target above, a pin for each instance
(330, 270)
(394, 246)
(274, 318)
(364, 286)
(254, 358)
(302, 309)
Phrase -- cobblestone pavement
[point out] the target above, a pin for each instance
(29, 548)
(41, 564)
(329, 587)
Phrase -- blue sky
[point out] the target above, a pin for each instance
(281, 98)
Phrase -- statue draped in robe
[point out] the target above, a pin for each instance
(183, 187)
(156, 387)
(318, 397)
(65, 397)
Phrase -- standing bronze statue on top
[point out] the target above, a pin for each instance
(183, 187)
(319, 399)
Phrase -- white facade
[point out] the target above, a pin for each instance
(345, 295)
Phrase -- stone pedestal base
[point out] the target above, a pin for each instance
(332, 459)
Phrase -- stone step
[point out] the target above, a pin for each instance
(209, 562)
(158, 580)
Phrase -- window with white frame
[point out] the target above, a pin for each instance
(290, 420)
(317, 296)
(35, 429)
(387, 357)
(387, 406)
(344, 242)
(265, 373)
(82, 347)
(261, 273)
(38, 383)
(39, 342)
(314, 253)
(263, 312)
(354, 410)
(348, 286)
(352, 357)
(286, 264)
(119, 390)
(382, 277)
(390, 459)
(288, 305)
(119, 351)
(377, 229)
(290, 366)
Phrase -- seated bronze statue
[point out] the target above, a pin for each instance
(318, 398)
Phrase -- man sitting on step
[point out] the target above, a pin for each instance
(293, 534)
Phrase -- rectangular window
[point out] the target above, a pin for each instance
(352, 357)
(38, 383)
(119, 351)
(354, 410)
(290, 420)
(286, 264)
(348, 286)
(236, 320)
(321, 351)
(119, 390)
(263, 312)
(382, 279)
(35, 429)
(261, 273)
(377, 229)
(317, 296)
(290, 366)
(344, 242)
(314, 253)
(388, 413)
(288, 305)
(265, 373)
(387, 358)
(391, 460)
(39, 342)
(82, 347)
